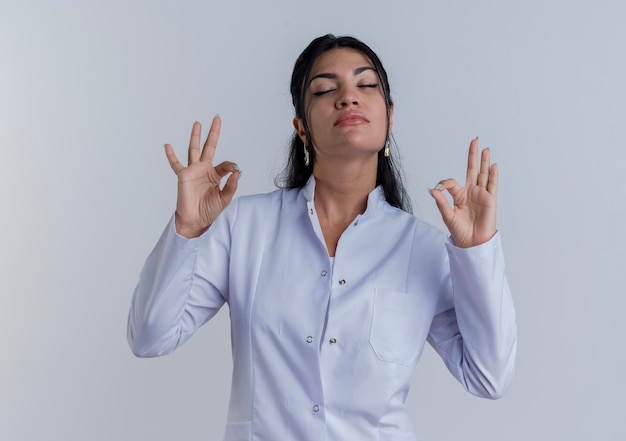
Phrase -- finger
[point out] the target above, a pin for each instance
(172, 159)
(472, 162)
(193, 154)
(229, 189)
(208, 151)
(450, 185)
(227, 167)
(483, 176)
(492, 186)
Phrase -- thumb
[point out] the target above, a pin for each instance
(231, 186)
(443, 205)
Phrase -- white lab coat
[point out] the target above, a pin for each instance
(323, 349)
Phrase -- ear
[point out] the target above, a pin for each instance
(391, 109)
(299, 126)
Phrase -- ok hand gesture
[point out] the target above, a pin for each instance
(472, 218)
(200, 199)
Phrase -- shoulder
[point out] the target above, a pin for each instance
(263, 204)
(412, 229)
(280, 195)
(403, 217)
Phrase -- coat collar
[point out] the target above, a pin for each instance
(375, 199)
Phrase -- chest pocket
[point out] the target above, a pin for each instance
(398, 329)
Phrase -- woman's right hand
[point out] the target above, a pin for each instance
(200, 199)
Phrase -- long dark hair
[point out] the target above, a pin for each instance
(296, 173)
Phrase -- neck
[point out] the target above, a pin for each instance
(341, 190)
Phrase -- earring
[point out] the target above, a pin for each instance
(387, 151)
(307, 159)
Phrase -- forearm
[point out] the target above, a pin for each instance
(486, 317)
(161, 315)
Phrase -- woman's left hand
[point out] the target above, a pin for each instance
(472, 218)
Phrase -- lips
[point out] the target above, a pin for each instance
(350, 119)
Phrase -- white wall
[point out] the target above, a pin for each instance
(90, 91)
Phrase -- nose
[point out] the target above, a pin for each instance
(347, 98)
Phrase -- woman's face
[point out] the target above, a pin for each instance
(345, 106)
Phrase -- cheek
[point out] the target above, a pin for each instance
(315, 118)
(382, 117)
(385, 116)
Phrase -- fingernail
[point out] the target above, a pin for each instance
(237, 169)
(217, 115)
(476, 138)
(438, 186)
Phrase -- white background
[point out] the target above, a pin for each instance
(90, 91)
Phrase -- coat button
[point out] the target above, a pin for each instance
(309, 339)
(342, 282)
(316, 408)
(323, 273)
(332, 341)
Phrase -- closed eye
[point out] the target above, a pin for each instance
(322, 92)
(369, 86)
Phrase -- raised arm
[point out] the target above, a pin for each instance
(172, 299)
(476, 333)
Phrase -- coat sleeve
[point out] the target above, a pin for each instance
(474, 330)
(182, 285)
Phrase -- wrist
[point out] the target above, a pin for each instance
(188, 231)
(473, 242)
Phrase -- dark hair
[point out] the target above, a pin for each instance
(296, 173)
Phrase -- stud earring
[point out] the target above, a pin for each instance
(387, 151)
(307, 158)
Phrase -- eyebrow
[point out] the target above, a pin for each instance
(356, 71)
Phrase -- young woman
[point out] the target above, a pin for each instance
(333, 286)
